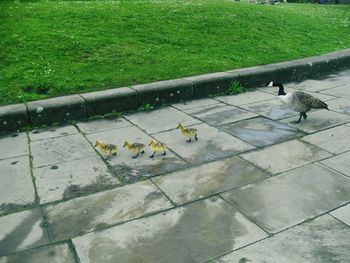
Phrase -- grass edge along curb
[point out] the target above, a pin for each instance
(82, 106)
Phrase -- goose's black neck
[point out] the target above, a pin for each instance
(281, 90)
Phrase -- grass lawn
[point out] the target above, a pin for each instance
(51, 48)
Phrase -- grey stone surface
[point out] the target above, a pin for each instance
(61, 149)
(212, 144)
(313, 85)
(322, 240)
(261, 131)
(318, 121)
(71, 179)
(13, 117)
(290, 198)
(56, 110)
(22, 231)
(246, 98)
(47, 254)
(335, 140)
(340, 163)
(342, 91)
(99, 125)
(163, 119)
(167, 91)
(220, 114)
(110, 100)
(340, 105)
(14, 145)
(208, 179)
(84, 214)
(52, 132)
(16, 188)
(286, 156)
(195, 103)
(130, 169)
(191, 233)
(343, 214)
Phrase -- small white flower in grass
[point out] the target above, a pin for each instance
(39, 110)
(171, 94)
(67, 113)
(157, 99)
(5, 122)
(178, 92)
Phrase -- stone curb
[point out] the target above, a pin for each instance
(75, 107)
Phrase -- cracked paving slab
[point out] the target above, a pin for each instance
(191, 233)
(84, 214)
(208, 179)
(15, 144)
(22, 231)
(285, 156)
(292, 197)
(129, 169)
(212, 144)
(71, 179)
(49, 254)
(16, 188)
(322, 240)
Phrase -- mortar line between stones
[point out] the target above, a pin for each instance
(171, 201)
(339, 220)
(71, 246)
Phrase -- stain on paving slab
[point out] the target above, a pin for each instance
(84, 214)
(191, 233)
(208, 179)
(48, 254)
(16, 188)
(129, 169)
(52, 132)
(343, 214)
(290, 198)
(22, 231)
(99, 125)
(285, 156)
(323, 240)
(212, 144)
(62, 149)
(220, 114)
(71, 179)
(261, 132)
(15, 144)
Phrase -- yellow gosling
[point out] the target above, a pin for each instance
(157, 147)
(109, 149)
(188, 132)
(135, 147)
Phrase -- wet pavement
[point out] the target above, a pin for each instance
(252, 188)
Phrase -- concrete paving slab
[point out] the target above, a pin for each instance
(208, 179)
(96, 211)
(343, 91)
(22, 231)
(290, 198)
(62, 149)
(340, 105)
(130, 169)
(99, 125)
(335, 140)
(191, 233)
(212, 144)
(246, 98)
(52, 132)
(160, 120)
(322, 240)
(15, 145)
(272, 109)
(318, 121)
(16, 188)
(312, 85)
(343, 214)
(195, 103)
(261, 131)
(71, 179)
(286, 156)
(220, 114)
(48, 254)
(339, 163)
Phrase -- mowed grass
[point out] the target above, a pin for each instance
(52, 48)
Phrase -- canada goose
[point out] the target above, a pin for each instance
(188, 132)
(298, 101)
(156, 147)
(110, 149)
(135, 147)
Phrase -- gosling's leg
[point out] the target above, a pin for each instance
(142, 152)
(295, 122)
(189, 140)
(304, 115)
(136, 155)
(152, 155)
(164, 153)
(196, 137)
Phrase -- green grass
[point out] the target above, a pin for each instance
(52, 48)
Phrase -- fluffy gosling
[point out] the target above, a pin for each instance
(157, 147)
(109, 149)
(188, 132)
(134, 147)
